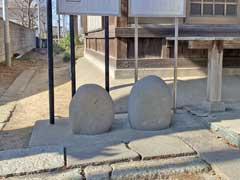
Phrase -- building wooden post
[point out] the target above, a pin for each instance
(6, 33)
(121, 44)
(136, 48)
(214, 81)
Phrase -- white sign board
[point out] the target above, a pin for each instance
(89, 7)
(157, 8)
(94, 23)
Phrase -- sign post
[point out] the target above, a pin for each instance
(158, 8)
(106, 28)
(136, 47)
(50, 61)
(72, 49)
(175, 65)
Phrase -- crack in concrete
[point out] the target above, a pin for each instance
(128, 147)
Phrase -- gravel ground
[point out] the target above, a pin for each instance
(33, 105)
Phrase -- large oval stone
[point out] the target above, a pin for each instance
(91, 110)
(150, 104)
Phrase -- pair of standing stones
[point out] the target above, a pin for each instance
(149, 107)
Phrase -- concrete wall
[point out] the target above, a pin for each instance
(22, 39)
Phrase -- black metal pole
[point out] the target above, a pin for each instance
(50, 61)
(72, 47)
(106, 26)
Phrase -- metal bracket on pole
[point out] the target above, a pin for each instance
(136, 48)
(72, 47)
(50, 61)
(175, 65)
(106, 26)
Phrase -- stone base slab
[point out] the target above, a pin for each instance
(214, 106)
(61, 133)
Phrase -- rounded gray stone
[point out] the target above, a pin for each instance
(150, 104)
(91, 110)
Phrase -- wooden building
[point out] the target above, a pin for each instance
(205, 19)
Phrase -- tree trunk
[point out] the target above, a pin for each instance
(59, 27)
(29, 13)
(64, 25)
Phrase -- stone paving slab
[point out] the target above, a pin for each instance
(161, 147)
(224, 159)
(98, 172)
(31, 160)
(225, 124)
(157, 169)
(73, 174)
(95, 155)
(229, 130)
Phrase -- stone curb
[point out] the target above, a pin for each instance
(31, 160)
(152, 169)
(223, 158)
(232, 137)
(208, 119)
(159, 169)
(98, 172)
(72, 174)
